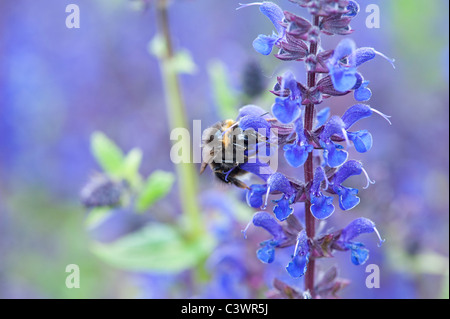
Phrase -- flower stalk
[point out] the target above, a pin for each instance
(176, 114)
(308, 137)
(309, 169)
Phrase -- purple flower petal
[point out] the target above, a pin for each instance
(356, 113)
(283, 209)
(279, 182)
(361, 139)
(295, 154)
(266, 221)
(347, 197)
(264, 44)
(333, 155)
(359, 254)
(255, 195)
(363, 93)
(275, 15)
(286, 110)
(267, 251)
(357, 227)
(253, 110)
(350, 168)
(322, 206)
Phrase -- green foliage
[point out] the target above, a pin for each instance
(225, 98)
(112, 160)
(48, 238)
(158, 184)
(109, 156)
(156, 247)
(411, 21)
(97, 216)
(180, 63)
(130, 167)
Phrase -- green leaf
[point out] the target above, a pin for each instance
(157, 46)
(107, 153)
(157, 247)
(182, 63)
(97, 216)
(130, 167)
(158, 184)
(225, 98)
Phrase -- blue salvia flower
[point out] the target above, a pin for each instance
(359, 254)
(229, 273)
(343, 75)
(265, 43)
(347, 195)
(344, 62)
(321, 205)
(297, 267)
(267, 251)
(297, 152)
(334, 154)
(361, 90)
(275, 183)
(362, 140)
(287, 109)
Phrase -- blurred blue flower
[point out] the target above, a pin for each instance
(229, 272)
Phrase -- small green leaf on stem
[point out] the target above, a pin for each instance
(109, 156)
(158, 184)
(225, 98)
(130, 167)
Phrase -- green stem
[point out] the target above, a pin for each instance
(186, 173)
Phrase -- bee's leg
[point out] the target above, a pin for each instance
(217, 170)
(203, 167)
(238, 183)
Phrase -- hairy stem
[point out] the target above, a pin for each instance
(309, 172)
(186, 174)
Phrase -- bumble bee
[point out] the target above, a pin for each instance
(226, 147)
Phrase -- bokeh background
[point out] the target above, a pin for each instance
(59, 85)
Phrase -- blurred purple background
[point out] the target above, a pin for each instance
(58, 85)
